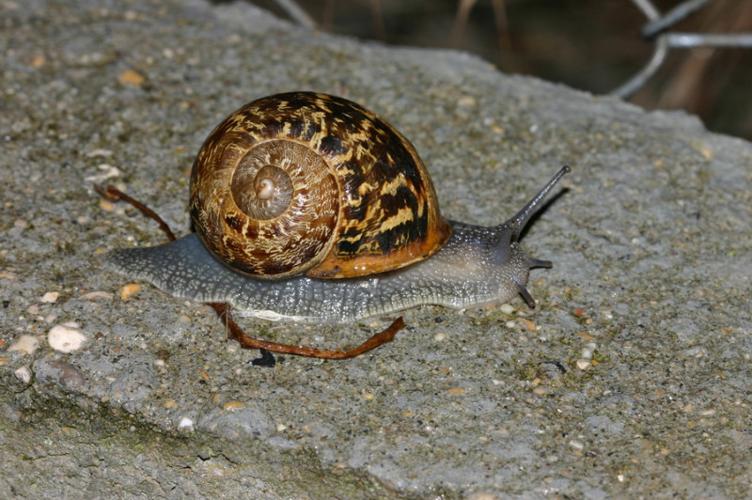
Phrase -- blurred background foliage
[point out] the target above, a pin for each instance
(593, 45)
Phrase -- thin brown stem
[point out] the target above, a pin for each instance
(237, 333)
(112, 193)
(223, 310)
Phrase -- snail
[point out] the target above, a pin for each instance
(309, 208)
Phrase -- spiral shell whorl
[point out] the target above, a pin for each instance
(359, 200)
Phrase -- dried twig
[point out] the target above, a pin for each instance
(296, 13)
(655, 29)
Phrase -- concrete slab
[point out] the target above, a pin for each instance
(632, 378)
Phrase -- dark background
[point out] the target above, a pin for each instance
(593, 45)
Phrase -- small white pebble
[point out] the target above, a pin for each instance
(108, 172)
(620, 477)
(482, 496)
(186, 424)
(281, 427)
(99, 152)
(583, 364)
(577, 445)
(8, 275)
(439, 336)
(50, 297)
(587, 351)
(66, 337)
(466, 101)
(26, 344)
(159, 362)
(23, 374)
(510, 324)
(97, 295)
(507, 309)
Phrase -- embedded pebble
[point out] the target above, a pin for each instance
(108, 172)
(185, 424)
(38, 61)
(8, 275)
(439, 336)
(583, 364)
(577, 445)
(233, 405)
(530, 326)
(66, 337)
(587, 352)
(507, 309)
(97, 295)
(50, 297)
(98, 152)
(466, 101)
(26, 344)
(106, 205)
(131, 78)
(129, 290)
(482, 496)
(23, 374)
(510, 324)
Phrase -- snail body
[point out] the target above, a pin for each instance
(308, 207)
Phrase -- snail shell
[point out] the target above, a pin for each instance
(316, 184)
(296, 189)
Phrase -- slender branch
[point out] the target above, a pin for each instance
(647, 8)
(692, 40)
(296, 13)
(245, 340)
(634, 84)
(655, 29)
(672, 17)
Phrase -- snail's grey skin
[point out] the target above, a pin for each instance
(478, 265)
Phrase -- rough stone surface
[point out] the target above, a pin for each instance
(632, 378)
